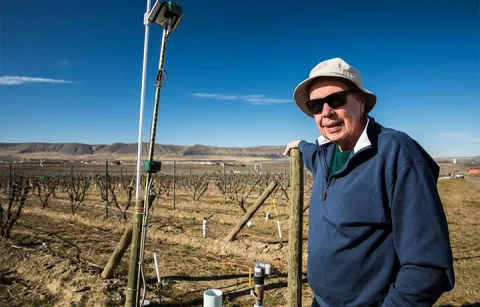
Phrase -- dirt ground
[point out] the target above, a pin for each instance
(55, 258)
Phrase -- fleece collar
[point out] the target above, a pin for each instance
(362, 142)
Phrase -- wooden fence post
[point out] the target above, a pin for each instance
(71, 180)
(106, 189)
(295, 232)
(224, 185)
(118, 253)
(10, 182)
(174, 186)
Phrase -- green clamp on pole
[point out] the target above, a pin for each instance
(151, 166)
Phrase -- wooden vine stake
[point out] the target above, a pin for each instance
(251, 211)
(294, 292)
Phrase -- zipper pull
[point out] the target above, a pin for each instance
(325, 194)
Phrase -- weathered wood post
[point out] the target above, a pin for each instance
(106, 189)
(174, 186)
(224, 185)
(295, 232)
(118, 253)
(10, 193)
(71, 180)
(131, 297)
(251, 211)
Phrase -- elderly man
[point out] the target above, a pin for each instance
(378, 235)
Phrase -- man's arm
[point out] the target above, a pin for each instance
(308, 150)
(421, 238)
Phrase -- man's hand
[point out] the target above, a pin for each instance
(291, 145)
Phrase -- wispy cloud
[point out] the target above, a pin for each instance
(16, 80)
(463, 136)
(216, 96)
(253, 99)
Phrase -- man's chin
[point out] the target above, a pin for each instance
(334, 137)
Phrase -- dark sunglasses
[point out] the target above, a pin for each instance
(335, 100)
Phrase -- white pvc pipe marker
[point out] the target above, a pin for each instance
(212, 298)
(204, 227)
(279, 230)
(157, 270)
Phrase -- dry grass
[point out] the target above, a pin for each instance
(190, 263)
(461, 200)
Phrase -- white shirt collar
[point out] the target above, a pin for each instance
(362, 142)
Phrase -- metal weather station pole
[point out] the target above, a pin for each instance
(167, 15)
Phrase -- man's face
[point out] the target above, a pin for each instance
(344, 124)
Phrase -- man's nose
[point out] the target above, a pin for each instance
(326, 110)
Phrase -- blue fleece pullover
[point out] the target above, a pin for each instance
(378, 235)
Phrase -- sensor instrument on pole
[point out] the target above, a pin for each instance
(167, 15)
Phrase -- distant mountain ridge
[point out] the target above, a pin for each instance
(128, 151)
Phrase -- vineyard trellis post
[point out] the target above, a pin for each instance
(174, 185)
(71, 179)
(10, 196)
(295, 233)
(224, 184)
(106, 189)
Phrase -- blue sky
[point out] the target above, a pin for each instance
(421, 58)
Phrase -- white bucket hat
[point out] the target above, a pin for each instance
(337, 68)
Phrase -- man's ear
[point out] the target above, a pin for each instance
(362, 99)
